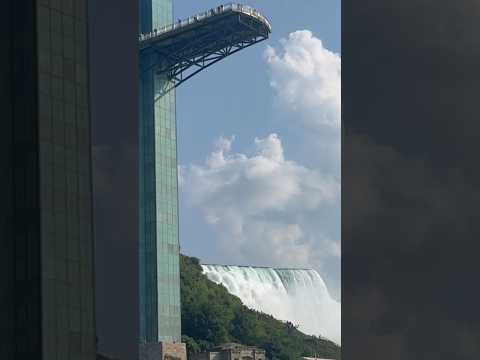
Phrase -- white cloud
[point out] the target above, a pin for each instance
(264, 208)
(259, 204)
(307, 79)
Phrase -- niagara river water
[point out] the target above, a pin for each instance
(296, 295)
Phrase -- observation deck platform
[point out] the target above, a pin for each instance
(189, 46)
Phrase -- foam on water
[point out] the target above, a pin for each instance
(296, 295)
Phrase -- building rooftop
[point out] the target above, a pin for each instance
(235, 346)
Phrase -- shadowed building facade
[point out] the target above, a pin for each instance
(46, 236)
(171, 53)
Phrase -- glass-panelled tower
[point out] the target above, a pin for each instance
(159, 246)
(46, 225)
(171, 53)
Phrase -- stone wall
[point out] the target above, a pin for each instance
(163, 351)
(236, 352)
(173, 351)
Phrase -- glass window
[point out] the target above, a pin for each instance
(57, 90)
(80, 32)
(57, 65)
(80, 9)
(44, 60)
(68, 24)
(56, 22)
(69, 90)
(56, 4)
(67, 7)
(68, 48)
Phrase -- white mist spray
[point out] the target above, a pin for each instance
(295, 295)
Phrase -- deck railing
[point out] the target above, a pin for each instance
(206, 14)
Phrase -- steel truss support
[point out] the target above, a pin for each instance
(181, 56)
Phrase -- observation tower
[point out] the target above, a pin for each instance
(171, 52)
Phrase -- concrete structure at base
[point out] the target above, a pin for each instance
(164, 351)
(231, 351)
(171, 53)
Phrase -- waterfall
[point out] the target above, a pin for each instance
(296, 295)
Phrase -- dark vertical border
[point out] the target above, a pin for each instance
(26, 184)
(410, 179)
(113, 82)
(7, 262)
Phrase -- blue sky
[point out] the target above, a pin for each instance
(236, 98)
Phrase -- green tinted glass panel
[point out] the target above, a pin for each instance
(159, 246)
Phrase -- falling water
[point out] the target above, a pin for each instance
(296, 295)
